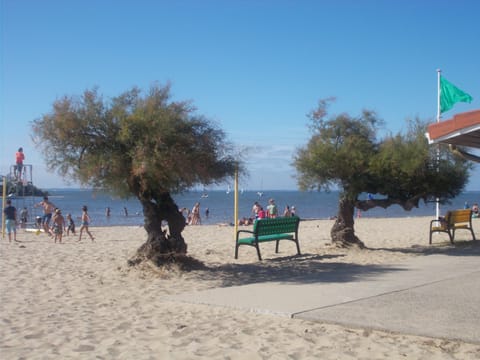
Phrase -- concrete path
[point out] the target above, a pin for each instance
(432, 295)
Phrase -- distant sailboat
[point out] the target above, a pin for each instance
(228, 189)
(204, 194)
(260, 193)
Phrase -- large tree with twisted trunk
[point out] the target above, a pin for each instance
(137, 144)
(344, 152)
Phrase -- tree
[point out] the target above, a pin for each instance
(344, 152)
(147, 146)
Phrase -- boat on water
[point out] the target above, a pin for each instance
(260, 192)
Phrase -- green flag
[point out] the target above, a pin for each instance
(450, 95)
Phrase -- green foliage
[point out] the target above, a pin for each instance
(344, 151)
(134, 144)
(338, 153)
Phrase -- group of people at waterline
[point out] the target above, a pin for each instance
(52, 222)
(258, 212)
(271, 212)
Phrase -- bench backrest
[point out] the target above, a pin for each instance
(278, 225)
(458, 216)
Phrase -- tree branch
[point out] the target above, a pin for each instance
(407, 205)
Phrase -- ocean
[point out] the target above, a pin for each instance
(220, 203)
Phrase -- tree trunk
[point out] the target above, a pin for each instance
(163, 245)
(343, 233)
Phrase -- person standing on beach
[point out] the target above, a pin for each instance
(19, 157)
(85, 222)
(70, 224)
(255, 208)
(48, 209)
(23, 217)
(10, 220)
(196, 215)
(58, 225)
(272, 210)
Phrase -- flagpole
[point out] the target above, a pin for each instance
(4, 196)
(235, 204)
(437, 213)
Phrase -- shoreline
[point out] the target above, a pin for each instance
(92, 225)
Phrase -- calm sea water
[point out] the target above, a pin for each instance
(309, 205)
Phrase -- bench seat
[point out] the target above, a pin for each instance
(264, 238)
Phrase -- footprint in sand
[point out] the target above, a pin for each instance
(84, 348)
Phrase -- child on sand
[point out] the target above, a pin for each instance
(58, 225)
(85, 221)
(70, 224)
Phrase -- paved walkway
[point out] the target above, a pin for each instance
(432, 295)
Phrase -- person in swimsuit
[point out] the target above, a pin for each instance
(48, 209)
(70, 225)
(85, 222)
(58, 225)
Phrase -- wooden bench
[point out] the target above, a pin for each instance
(281, 228)
(453, 220)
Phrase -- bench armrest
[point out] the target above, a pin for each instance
(442, 223)
(245, 231)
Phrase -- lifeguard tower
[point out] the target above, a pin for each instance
(18, 185)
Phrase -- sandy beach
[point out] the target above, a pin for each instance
(82, 300)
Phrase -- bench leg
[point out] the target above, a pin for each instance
(451, 235)
(298, 246)
(258, 252)
(471, 231)
(236, 251)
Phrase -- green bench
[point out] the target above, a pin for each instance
(453, 220)
(281, 228)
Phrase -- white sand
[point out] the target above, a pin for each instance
(81, 300)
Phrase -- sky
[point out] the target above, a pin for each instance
(254, 67)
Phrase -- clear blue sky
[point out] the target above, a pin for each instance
(256, 67)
